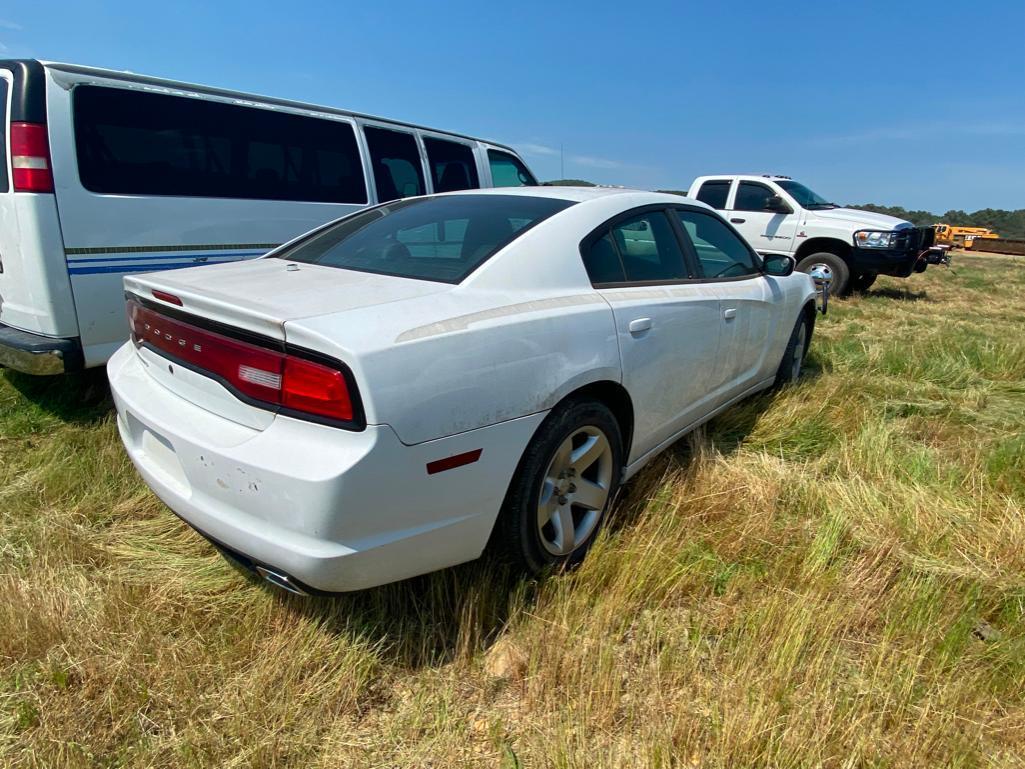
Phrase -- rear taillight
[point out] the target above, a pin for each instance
(269, 377)
(30, 158)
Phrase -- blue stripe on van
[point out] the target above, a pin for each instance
(127, 263)
(165, 256)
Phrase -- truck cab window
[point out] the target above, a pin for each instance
(752, 196)
(714, 194)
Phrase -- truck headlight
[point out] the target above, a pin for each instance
(874, 239)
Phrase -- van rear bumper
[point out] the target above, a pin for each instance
(36, 354)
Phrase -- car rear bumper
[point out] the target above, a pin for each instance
(36, 354)
(332, 510)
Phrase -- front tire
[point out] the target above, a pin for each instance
(563, 487)
(789, 370)
(831, 264)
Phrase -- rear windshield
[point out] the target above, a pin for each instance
(437, 238)
(4, 88)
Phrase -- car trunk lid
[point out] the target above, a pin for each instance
(245, 305)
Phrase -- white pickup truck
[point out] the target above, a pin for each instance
(780, 216)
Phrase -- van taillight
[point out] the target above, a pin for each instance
(256, 373)
(30, 158)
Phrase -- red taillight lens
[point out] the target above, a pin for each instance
(315, 389)
(271, 377)
(30, 158)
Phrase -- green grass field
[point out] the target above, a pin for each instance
(833, 576)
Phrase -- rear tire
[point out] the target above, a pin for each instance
(832, 264)
(789, 370)
(563, 488)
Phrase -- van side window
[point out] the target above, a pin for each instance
(135, 143)
(452, 165)
(721, 253)
(714, 194)
(508, 171)
(395, 159)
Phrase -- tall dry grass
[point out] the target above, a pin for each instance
(834, 576)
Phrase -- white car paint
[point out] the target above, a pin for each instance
(64, 253)
(441, 369)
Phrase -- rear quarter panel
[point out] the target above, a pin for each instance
(491, 359)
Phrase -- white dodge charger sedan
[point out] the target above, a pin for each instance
(385, 395)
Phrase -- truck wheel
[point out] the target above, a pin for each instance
(863, 281)
(793, 357)
(563, 487)
(831, 264)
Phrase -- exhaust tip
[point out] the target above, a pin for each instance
(279, 580)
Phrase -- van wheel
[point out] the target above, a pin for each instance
(863, 281)
(831, 264)
(789, 370)
(563, 487)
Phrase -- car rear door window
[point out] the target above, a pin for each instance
(640, 249)
(752, 196)
(395, 159)
(137, 143)
(452, 165)
(601, 260)
(715, 194)
(720, 252)
(508, 171)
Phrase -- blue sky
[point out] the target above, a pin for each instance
(893, 102)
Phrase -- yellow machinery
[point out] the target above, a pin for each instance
(960, 237)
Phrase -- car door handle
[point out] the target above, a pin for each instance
(730, 313)
(640, 325)
(738, 221)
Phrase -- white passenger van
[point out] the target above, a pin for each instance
(106, 173)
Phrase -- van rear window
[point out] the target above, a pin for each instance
(135, 143)
(4, 90)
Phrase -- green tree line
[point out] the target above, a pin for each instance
(1007, 224)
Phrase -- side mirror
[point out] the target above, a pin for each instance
(823, 279)
(780, 266)
(777, 205)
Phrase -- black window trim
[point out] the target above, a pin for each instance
(759, 263)
(605, 228)
(690, 258)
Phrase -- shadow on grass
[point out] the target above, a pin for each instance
(425, 621)
(436, 618)
(903, 294)
(82, 398)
